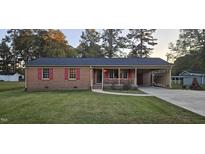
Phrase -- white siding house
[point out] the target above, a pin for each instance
(11, 77)
(186, 78)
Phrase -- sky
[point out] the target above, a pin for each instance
(163, 36)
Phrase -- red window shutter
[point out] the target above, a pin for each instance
(129, 74)
(51, 73)
(66, 74)
(39, 73)
(78, 73)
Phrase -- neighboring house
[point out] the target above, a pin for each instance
(186, 78)
(11, 77)
(86, 73)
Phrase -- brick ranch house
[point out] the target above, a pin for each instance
(89, 73)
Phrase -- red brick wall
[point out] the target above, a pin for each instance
(58, 82)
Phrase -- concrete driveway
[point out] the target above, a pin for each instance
(188, 99)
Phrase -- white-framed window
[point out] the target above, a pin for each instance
(45, 73)
(113, 74)
(72, 74)
(124, 74)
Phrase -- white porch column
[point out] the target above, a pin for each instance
(135, 79)
(152, 79)
(91, 77)
(170, 78)
(102, 77)
(118, 76)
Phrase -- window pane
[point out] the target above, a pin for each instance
(72, 74)
(110, 73)
(125, 74)
(116, 73)
(45, 73)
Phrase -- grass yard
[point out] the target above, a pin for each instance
(203, 87)
(5, 86)
(85, 107)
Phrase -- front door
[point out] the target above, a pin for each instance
(99, 76)
(140, 78)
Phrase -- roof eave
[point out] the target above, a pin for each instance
(96, 65)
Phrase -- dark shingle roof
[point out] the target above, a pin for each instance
(96, 61)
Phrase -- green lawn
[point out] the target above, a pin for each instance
(5, 86)
(203, 87)
(17, 106)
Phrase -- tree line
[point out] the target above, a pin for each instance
(22, 45)
(188, 52)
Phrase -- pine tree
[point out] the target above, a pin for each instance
(89, 44)
(140, 42)
(112, 42)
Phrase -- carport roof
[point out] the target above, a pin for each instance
(97, 62)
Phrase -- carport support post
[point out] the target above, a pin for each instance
(152, 79)
(102, 77)
(170, 78)
(135, 80)
(91, 77)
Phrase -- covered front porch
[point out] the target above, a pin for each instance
(101, 77)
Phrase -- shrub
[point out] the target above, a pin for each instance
(135, 88)
(184, 87)
(126, 86)
(195, 85)
(113, 87)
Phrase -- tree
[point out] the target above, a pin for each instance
(30, 44)
(55, 44)
(50, 43)
(72, 52)
(5, 57)
(12, 40)
(189, 50)
(171, 56)
(191, 41)
(89, 44)
(112, 42)
(140, 42)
